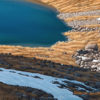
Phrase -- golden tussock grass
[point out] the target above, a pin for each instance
(62, 52)
(74, 5)
(81, 18)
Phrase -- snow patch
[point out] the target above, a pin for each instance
(45, 83)
(98, 18)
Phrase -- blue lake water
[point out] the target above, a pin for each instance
(28, 24)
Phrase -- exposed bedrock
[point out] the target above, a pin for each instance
(89, 57)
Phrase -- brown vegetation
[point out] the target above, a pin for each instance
(91, 96)
(48, 68)
(9, 92)
(74, 5)
(62, 52)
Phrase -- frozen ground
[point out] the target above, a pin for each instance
(38, 81)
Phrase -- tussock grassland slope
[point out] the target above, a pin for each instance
(74, 5)
(74, 13)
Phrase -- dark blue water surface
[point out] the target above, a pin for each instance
(23, 23)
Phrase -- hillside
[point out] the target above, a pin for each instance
(82, 16)
(45, 65)
(74, 5)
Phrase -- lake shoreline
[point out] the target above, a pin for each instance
(57, 60)
(60, 52)
(39, 26)
(41, 3)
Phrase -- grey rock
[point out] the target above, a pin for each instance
(91, 47)
(87, 59)
(78, 61)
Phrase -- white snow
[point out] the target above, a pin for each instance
(45, 83)
(98, 18)
(96, 61)
(83, 58)
(94, 66)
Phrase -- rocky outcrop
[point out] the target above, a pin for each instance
(89, 57)
(90, 47)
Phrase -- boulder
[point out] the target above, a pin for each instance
(96, 61)
(78, 61)
(98, 68)
(87, 59)
(91, 47)
(94, 66)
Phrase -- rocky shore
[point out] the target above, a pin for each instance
(77, 24)
(75, 14)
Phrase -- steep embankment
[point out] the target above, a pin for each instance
(82, 16)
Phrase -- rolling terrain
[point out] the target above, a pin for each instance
(55, 61)
(82, 16)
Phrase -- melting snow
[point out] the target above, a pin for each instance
(43, 82)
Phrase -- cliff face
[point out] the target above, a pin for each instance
(82, 16)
